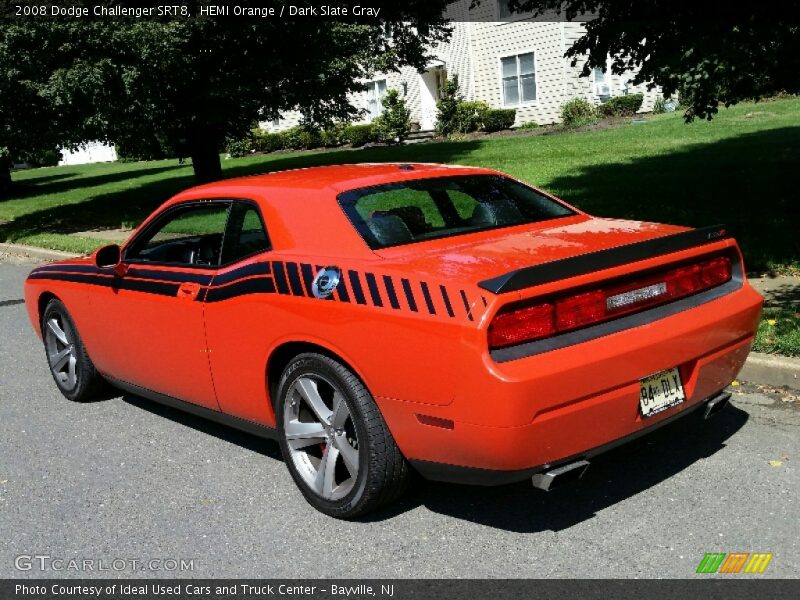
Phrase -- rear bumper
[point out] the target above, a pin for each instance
(517, 417)
(487, 477)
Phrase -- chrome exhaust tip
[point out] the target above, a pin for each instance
(553, 478)
(716, 404)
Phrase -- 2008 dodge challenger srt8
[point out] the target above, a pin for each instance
(383, 318)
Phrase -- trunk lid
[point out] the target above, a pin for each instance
(489, 254)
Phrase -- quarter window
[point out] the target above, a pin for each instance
(519, 79)
(245, 235)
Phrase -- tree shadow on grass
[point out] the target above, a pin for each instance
(612, 478)
(44, 177)
(131, 206)
(57, 183)
(748, 182)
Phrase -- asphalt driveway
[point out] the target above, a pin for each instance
(128, 479)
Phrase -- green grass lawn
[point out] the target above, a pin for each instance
(779, 332)
(739, 169)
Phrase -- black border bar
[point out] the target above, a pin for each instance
(602, 259)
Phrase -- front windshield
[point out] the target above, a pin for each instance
(422, 209)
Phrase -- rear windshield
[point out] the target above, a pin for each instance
(425, 209)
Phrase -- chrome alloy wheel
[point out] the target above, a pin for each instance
(61, 353)
(321, 436)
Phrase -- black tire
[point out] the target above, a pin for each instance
(383, 473)
(88, 384)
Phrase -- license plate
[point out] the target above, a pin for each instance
(660, 392)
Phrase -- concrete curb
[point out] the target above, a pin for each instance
(34, 253)
(772, 370)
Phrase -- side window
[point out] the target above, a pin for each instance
(188, 236)
(245, 235)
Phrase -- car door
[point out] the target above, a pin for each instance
(239, 310)
(154, 309)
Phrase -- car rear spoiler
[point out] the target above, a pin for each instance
(602, 259)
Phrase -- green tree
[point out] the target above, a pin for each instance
(394, 123)
(447, 107)
(707, 53)
(195, 82)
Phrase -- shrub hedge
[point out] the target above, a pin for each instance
(621, 106)
(498, 119)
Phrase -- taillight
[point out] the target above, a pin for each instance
(565, 313)
(716, 271)
(528, 323)
(576, 311)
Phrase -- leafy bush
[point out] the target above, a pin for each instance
(621, 106)
(529, 125)
(447, 107)
(334, 136)
(238, 148)
(498, 119)
(146, 147)
(470, 116)
(659, 106)
(394, 123)
(302, 137)
(358, 135)
(577, 112)
(264, 141)
(43, 158)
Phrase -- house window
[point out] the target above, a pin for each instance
(376, 90)
(601, 87)
(519, 79)
(504, 11)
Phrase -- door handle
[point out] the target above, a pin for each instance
(188, 291)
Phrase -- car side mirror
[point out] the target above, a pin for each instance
(110, 257)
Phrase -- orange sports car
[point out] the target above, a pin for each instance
(380, 319)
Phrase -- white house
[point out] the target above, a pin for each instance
(92, 152)
(506, 60)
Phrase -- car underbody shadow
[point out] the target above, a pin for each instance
(242, 439)
(611, 478)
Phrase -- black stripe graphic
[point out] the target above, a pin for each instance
(298, 277)
(308, 278)
(242, 272)
(428, 299)
(358, 291)
(466, 305)
(387, 281)
(446, 299)
(69, 268)
(255, 285)
(294, 279)
(280, 277)
(412, 302)
(373, 290)
(133, 285)
(170, 276)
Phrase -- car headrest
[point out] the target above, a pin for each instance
(412, 216)
(389, 229)
(497, 212)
